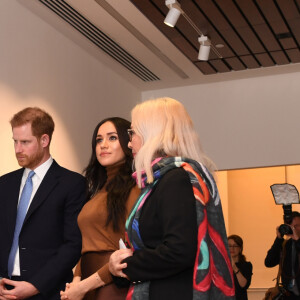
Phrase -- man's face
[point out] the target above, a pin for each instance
(296, 224)
(29, 150)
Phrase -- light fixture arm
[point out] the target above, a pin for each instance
(175, 4)
(191, 23)
(216, 51)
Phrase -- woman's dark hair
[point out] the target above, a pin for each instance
(119, 187)
(239, 241)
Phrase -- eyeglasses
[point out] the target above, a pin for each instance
(130, 132)
(233, 246)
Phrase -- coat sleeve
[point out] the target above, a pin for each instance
(246, 270)
(273, 256)
(173, 203)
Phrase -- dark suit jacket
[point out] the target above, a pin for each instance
(50, 240)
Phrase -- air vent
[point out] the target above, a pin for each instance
(284, 35)
(100, 39)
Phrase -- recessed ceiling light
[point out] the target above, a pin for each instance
(219, 46)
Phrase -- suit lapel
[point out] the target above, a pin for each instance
(12, 203)
(47, 185)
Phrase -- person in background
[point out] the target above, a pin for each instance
(290, 273)
(40, 241)
(242, 269)
(179, 203)
(112, 192)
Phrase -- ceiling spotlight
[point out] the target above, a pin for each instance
(204, 50)
(173, 14)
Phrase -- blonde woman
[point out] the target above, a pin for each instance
(176, 233)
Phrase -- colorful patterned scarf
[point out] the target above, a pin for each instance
(213, 277)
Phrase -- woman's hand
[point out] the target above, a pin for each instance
(77, 289)
(63, 294)
(73, 291)
(115, 262)
(234, 267)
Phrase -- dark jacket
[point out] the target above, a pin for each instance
(50, 240)
(168, 227)
(273, 258)
(246, 270)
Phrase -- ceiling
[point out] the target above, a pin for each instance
(260, 37)
(254, 34)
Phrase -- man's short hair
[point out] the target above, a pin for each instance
(41, 122)
(295, 214)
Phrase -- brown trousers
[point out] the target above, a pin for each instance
(90, 263)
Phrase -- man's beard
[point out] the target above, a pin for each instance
(30, 162)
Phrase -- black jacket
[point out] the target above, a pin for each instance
(246, 270)
(273, 258)
(168, 227)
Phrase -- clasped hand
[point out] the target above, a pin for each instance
(21, 289)
(72, 292)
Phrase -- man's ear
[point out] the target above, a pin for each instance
(45, 140)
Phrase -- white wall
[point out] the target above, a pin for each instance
(245, 123)
(242, 123)
(39, 66)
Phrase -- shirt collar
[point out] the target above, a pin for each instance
(41, 170)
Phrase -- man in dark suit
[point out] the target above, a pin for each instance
(38, 252)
